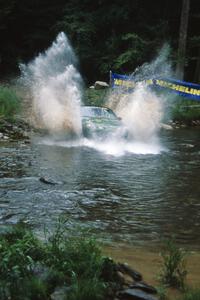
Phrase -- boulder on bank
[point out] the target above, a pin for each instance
(125, 269)
(125, 283)
(100, 85)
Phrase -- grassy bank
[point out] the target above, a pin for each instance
(9, 103)
(185, 111)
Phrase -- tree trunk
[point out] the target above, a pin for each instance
(182, 39)
(197, 70)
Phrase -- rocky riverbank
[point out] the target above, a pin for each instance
(184, 124)
(126, 283)
(123, 283)
(179, 124)
(14, 130)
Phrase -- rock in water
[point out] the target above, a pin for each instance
(47, 181)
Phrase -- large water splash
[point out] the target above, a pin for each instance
(55, 87)
(142, 110)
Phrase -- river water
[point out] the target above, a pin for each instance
(130, 198)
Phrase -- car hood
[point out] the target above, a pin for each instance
(101, 121)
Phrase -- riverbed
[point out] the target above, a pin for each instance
(131, 198)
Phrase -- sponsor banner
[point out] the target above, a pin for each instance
(123, 81)
(182, 88)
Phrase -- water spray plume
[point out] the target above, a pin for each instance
(160, 66)
(142, 110)
(142, 114)
(55, 87)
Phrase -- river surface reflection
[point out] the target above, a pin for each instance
(132, 198)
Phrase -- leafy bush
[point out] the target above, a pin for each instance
(87, 289)
(33, 288)
(185, 110)
(193, 294)
(173, 269)
(30, 269)
(135, 50)
(9, 103)
(161, 290)
(74, 255)
(18, 250)
(95, 97)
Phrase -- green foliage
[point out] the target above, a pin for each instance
(105, 34)
(30, 269)
(185, 110)
(95, 97)
(192, 294)
(9, 103)
(18, 249)
(134, 52)
(173, 268)
(161, 291)
(74, 255)
(54, 278)
(87, 289)
(34, 289)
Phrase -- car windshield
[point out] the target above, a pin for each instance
(90, 111)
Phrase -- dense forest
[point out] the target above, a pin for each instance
(117, 35)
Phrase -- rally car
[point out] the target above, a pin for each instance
(100, 122)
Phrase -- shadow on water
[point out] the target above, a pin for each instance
(130, 198)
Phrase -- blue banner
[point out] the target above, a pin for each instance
(182, 88)
(123, 81)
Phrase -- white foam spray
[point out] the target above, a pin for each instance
(142, 110)
(55, 87)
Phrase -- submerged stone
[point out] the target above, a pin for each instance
(47, 181)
